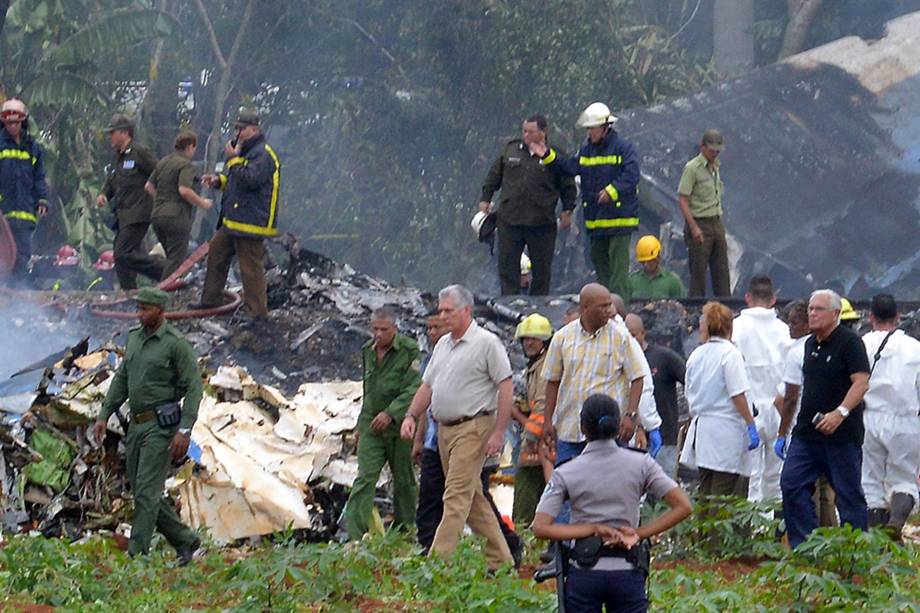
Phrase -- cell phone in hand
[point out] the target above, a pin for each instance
(817, 418)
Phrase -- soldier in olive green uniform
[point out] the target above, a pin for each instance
(391, 377)
(159, 368)
(124, 188)
(172, 186)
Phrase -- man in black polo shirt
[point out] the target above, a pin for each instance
(668, 369)
(828, 435)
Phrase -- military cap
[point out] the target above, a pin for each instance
(713, 140)
(120, 121)
(246, 118)
(153, 296)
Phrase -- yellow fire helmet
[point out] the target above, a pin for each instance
(847, 312)
(534, 326)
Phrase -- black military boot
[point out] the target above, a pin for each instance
(878, 517)
(185, 555)
(901, 506)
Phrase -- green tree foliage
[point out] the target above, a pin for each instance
(386, 113)
(70, 61)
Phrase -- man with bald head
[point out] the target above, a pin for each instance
(668, 369)
(591, 355)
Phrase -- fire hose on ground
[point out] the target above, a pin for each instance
(171, 284)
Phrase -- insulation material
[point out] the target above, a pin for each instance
(256, 470)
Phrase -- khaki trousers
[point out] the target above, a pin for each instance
(713, 253)
(250, 252)
(463, 452)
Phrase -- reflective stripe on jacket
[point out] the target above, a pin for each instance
(22, 177)
(251, 184)
(611, 165)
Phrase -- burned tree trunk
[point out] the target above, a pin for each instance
(801, 16)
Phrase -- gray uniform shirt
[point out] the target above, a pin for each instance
(605, 485)
(464, 374)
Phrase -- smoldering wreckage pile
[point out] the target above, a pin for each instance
(274, 447)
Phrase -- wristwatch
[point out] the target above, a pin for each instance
(185, 430)
(843, 411)
(410, 416)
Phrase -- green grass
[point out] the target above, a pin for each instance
(835, 570)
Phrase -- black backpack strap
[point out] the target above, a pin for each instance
(878, 353)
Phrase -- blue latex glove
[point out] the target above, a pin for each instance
(779, 447)
(654, 442)
(753, 437)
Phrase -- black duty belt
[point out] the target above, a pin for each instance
(457, 422)
(142, 417)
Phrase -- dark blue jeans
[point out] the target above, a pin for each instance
(565, 451)
(807, 460)
(589, 591)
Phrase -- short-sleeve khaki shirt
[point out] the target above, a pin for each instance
(464, 374)
(172, 172)
(703, 186)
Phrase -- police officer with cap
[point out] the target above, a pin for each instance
(608, 566)
(159, 369)
(124, 190)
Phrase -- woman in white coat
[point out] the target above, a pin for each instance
(722, 432)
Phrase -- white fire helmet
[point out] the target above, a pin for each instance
(597, 114)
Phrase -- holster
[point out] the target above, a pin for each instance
(168, 415)
(587, 551)
(640, 556)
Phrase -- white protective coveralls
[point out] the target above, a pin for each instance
(891, 451)
(764, 342)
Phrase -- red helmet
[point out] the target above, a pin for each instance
(67, 256)
(13, 110)
(106, 261)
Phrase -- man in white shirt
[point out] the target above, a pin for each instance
(891, 450)
(764, 341)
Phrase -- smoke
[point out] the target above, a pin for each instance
(30, 331)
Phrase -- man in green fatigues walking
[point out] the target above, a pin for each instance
(159, 368)
(391, 377)
(124, 190)
(172, 186)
